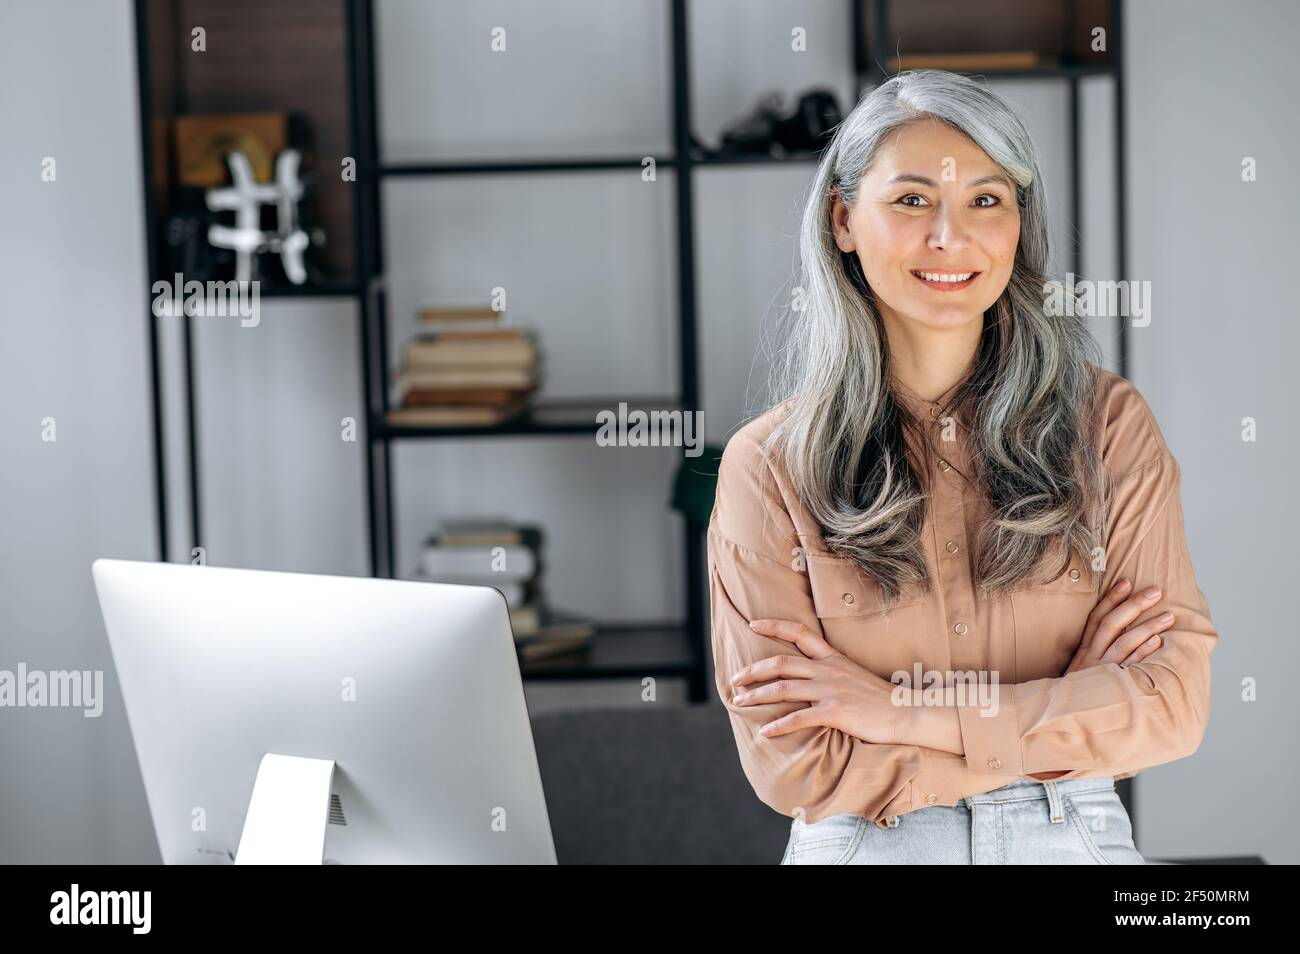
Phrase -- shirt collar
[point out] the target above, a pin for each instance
(923, 409)
(948, 446)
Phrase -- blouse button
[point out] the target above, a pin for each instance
(945, 466)
(1074, 574)
(932, 798)
(952, 546)
(934, 411)
(848, 598)
(960, 629)
(995, 763)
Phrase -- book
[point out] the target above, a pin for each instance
(477, 531)
(514, 562)
(474, 333)
(455, 415)
(554, 649)
(426, 397)
(551, 624)
(525, 620)
(520, 378)
(435, 314)
(466, 564)
(433, 355)
(1008, 60)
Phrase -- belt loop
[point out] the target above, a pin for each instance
(1054, 802)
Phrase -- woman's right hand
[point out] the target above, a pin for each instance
(1112, 636)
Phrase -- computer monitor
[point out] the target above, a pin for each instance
(383, 718)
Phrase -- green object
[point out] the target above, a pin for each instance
(696, 484)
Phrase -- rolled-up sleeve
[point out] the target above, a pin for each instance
(809, 773)
(1106, 718)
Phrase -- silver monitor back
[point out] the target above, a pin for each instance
(413, 689)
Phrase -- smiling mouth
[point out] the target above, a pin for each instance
(946, 281)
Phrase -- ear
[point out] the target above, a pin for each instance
(838, 216)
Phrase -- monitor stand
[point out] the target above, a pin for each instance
(288, 812)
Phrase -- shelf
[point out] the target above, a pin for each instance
(757, 158)
(249, 66)
(553, 417)
(499, 166)
(697, 157)
(1058, 34)
(1064, 71)
(327, 289)
(629, 651)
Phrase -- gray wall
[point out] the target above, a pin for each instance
(74, 348)
(589, 261)
(1216, 83)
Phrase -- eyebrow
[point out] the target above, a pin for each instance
(923, 180)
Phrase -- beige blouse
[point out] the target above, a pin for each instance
(767, 560)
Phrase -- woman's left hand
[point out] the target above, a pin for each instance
(840, 693)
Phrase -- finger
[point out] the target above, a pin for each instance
(1121, 617)
(804, 639)
(804, 718)
(782, 690)
(1136, 635)
(1142, 652)
(1114, 596)
(775, 667)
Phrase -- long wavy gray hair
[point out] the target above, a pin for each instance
(1026, 400)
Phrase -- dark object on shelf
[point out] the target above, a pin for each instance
(973, 62)
(204, 140)
(771, 129)
(1062, 33)
(625, 651)
(554, 634)
(696, 484)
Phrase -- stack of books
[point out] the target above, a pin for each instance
(466, 368)
(496, 552)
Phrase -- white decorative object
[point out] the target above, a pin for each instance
(245, 197)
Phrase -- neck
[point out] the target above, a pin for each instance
(929, 361)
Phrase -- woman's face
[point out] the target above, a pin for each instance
(932, 202)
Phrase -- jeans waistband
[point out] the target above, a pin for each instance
(1031, 788)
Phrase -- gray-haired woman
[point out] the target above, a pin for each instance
(952, 600)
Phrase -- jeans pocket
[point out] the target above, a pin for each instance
(1101, 823)
(831, 841)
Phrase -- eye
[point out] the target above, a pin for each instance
(911, 195)
(988, 195)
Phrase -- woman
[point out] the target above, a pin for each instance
(951, 495)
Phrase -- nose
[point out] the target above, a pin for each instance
(949, 230)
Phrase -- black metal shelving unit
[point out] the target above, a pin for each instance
(659, 648)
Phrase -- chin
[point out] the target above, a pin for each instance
(945, 318)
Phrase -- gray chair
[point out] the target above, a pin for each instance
(662, 784)
(659, 784)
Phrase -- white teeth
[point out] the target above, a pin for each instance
(936, 277)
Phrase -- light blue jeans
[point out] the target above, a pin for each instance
(1079, 821)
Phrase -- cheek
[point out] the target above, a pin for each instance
(1003, 242)
(890, 242)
